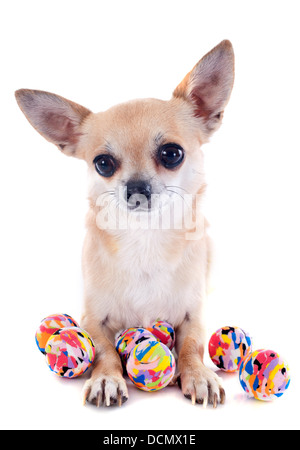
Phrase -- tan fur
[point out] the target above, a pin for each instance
(136, 275)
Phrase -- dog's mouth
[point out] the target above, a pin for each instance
(139, 203)
(164, 210)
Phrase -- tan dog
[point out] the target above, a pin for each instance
(146, 254)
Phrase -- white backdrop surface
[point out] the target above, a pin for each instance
(102, 53)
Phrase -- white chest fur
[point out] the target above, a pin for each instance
(152, 275)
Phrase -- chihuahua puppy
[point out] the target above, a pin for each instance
(146, 254)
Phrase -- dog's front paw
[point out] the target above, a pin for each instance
(105, 391)
(202, 385)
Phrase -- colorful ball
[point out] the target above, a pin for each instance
(264, 375)
(164, 332)
(228, 347)
(151, 365)
(70, 352)
(49, 326)
(129, 338)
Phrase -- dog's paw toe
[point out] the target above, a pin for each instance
(203, 387)
(105, 391)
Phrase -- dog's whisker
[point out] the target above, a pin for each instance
(105, 193)
(183, 199)
(178, 187)
(174, 192)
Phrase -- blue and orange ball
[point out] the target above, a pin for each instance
(69, 350)
(128, 339)
(164, 332)
(264, 375)
(49, 326)
(151, 365)
(146, 355)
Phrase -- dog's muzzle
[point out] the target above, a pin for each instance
(138, 194)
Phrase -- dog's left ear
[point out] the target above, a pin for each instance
(208, 86)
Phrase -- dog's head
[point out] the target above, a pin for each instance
(141, 150)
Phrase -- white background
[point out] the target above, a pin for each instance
(99, 53)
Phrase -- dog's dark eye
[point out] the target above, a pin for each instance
(105, 165)
(171, 155)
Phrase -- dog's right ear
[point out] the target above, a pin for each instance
(57, 119)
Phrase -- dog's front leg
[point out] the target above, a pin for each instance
(106, 385)
(198, 383)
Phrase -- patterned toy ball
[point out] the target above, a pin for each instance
(228, 347)
(264, 375)
(70, 352)
(129, 338)
(151, 365)
(164, 332)
(49, 326)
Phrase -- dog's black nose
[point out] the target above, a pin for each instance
(137, 188)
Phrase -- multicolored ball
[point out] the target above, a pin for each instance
(228, 347)
(49, 326)
(70, 352)
(129, 338)
(151, 365)
(264, 375)
(164, 332)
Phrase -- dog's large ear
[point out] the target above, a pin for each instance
(55, 118)
(209, 84)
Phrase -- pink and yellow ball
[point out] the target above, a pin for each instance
(228, 346)
(151, 365)
(264, 375)
(70, 352)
